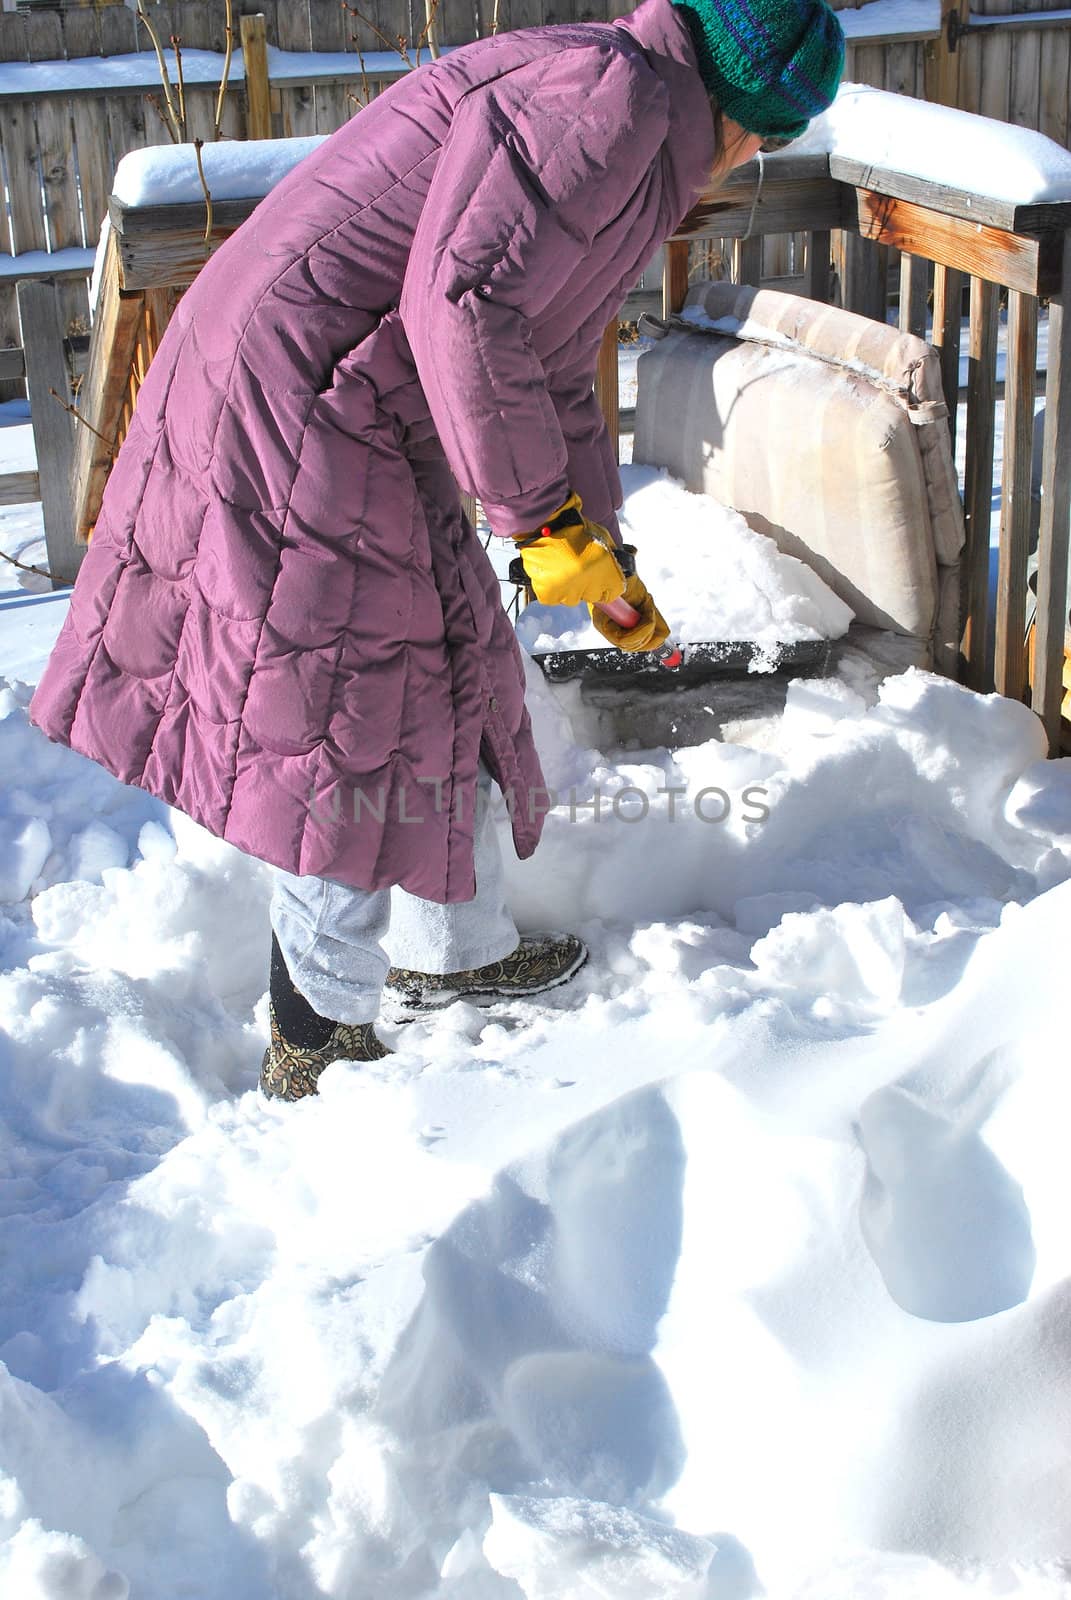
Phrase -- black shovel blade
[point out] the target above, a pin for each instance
(668, 668)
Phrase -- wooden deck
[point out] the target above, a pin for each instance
(852, 217)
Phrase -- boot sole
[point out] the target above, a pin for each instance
(395, 1007)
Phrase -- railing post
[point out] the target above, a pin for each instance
(257, 89)
(819, 266)
(675, 277)
(914, 292)
(866, 277)
(1009, 661)
(606, 384)
(1055, 510)
(747, 261)
(978, 494)
(947, 327)
(46, 370)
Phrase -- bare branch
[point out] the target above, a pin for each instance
(226, 67)
(78, 417)
(427, 33)
(397, 43)
(176, 45)
(197, 145)
(366, 88)
(158, 108)
(494, 18)
(164, 79)
(40, 572)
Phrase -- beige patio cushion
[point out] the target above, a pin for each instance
(828, 432)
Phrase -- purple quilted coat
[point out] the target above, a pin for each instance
(284, 625)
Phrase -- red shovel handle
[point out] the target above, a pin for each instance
(620, 611)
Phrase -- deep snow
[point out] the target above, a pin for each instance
(739, 1267)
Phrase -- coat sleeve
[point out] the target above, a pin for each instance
(533, 166)
(591, 456)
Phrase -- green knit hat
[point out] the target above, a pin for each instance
(771, 65)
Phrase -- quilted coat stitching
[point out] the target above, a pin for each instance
(263, 685)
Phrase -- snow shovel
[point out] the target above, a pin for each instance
(671, 665)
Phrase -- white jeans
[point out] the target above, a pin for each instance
(338, 942)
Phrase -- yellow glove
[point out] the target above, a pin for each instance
(570, 559)
(647, 634)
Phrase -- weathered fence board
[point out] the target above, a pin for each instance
(292, 27)
(1053, 111)
(995, 97)
(44, 36)
(56, 155)
(120, 31)
(17, 488)
(81, 33)
(1024, 107)
(92, 152)
(18, 135)
(46, 371)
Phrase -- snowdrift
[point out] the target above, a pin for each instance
(739, 1268)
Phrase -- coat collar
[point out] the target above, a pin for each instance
(662, 34)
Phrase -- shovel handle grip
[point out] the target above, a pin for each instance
(621, 612)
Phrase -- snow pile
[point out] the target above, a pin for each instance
(62, 818)
(739, 1266)
(234, 170)
(736, 1267)
(711, 575)
(938, 143)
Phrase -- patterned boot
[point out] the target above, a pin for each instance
(302, 1042)
(541, 961)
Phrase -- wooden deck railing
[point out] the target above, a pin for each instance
(851, 219)
(947, 240)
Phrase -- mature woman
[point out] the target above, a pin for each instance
(284, 625)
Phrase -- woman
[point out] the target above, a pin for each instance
(284, 624)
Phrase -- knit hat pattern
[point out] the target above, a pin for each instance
(771, 65)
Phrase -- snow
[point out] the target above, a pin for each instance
(739, 1266)
(890, 19)
(31, 614)
(139, 69)
(33, 263)
(978, 155)
(713, 577)
(234, 170)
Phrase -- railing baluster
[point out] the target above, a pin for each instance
(1055, 509)
(819, 266)
(914, 292)
(866, 277)
(947, 326)
(675, 277)
(606, 384)
(747, 260)
(1009, 668)
(978, 495)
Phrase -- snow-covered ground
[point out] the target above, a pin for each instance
(738, 1268)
